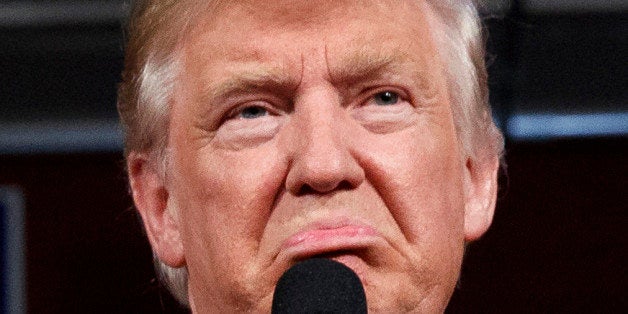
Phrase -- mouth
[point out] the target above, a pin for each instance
(330, 241)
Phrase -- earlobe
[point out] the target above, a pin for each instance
(481, 194)
(152, 202)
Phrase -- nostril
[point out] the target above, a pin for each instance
(305, 190)
(308, 189)
(345, 185)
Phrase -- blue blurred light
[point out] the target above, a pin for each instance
(548, 126)
(61, 137)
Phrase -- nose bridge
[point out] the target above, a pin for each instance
(322, 160)
(320, 132)
(321, 144)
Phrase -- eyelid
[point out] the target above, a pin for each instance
(369, 93)
(237, 110)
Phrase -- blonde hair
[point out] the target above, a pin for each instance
(152, 65)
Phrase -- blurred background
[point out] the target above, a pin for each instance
(71, 242)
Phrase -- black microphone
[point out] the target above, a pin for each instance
(319, 285)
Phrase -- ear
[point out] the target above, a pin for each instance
(151, 200)
(480, 196)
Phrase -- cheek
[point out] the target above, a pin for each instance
(418, 173)
(226, 198)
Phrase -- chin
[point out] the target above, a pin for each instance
(402, 302)
(402, 292)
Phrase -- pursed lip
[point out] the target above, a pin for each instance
(329, 236)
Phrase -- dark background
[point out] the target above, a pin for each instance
(559, 236)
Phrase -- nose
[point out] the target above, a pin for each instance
(322, 160)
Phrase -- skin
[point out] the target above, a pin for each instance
(314, 128)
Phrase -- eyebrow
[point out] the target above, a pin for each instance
(250, 77)
(363, 64)
(393, 64)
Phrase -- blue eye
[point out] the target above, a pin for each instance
(386, 98)
(253, 112)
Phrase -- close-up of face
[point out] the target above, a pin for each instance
(306, 129)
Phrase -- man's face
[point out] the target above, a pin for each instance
(315, 128)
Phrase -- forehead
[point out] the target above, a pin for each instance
(308, 13)
(251, 26)
(245, 45)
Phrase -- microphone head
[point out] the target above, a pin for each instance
(319, 285)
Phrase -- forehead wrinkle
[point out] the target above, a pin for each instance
(301, 71)
(326, 51)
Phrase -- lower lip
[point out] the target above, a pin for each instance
(323, 240)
